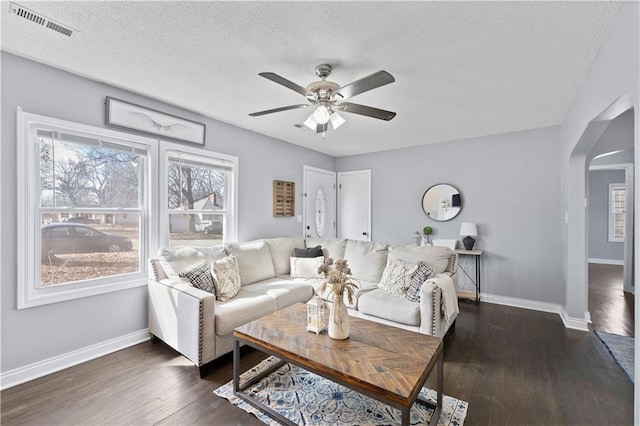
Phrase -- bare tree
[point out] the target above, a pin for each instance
(190, 183)
(70, 182)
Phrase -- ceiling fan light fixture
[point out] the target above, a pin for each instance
(336, 120)
(322, 114)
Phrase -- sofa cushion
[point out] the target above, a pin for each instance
(333, 248)
(436, 257)
(422, 274)
(177, 259)
(281, 249)
(226, 276)
(366, 259)
(254, 261)
(199, 275)
(285, 292)
(305, 267)
(245, 307)
(397, 276)
(308, 252)
(379, 304)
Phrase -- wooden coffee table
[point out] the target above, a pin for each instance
(383, 362)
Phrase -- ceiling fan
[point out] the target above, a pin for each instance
(328, 98)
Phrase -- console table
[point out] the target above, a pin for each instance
(478, 255)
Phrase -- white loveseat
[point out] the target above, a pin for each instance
(200, 327)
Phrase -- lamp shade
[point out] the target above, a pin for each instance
(468, 228)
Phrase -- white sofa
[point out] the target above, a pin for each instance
(200, 327)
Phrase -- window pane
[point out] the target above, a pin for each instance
(74, 249)
(195, 229)
(74, 174)
(620, 197)
(195, 186)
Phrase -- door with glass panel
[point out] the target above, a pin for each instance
(319, 209)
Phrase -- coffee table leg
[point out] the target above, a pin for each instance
(439, 379)
(406, 416)
(236, 365)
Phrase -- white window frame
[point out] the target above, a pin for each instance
(611, 234)
(169, 150)
(29, 291)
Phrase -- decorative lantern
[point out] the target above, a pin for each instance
(417, 238)
(315, 315)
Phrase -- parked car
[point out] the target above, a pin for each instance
(62, 238)
(82, 219)
(209, 227)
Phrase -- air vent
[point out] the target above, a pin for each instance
(301, 126)
(40, 19)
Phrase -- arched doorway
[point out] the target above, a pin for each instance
(576, 215)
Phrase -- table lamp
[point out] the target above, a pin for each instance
(470, 230)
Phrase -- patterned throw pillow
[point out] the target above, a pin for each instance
(421, 275)
(396, 277)
(199, 275)
(227, 277)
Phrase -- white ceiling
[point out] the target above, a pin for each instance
(462, 69)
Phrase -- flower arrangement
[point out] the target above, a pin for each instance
(338, 278)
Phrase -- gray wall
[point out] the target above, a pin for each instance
(599, 245)
(39, 333)
(509, 186)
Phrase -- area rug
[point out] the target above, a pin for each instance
(308, 399)
(622, 349)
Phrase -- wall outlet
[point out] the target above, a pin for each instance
(299, 218)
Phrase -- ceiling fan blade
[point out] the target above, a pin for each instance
(286, 83)
(366, 110)
(377, 79)
(271, 111)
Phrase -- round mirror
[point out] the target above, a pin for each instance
(442, 202)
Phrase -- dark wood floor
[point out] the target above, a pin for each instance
(513, 366)
(612, 310)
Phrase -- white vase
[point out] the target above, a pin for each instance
(338, 327)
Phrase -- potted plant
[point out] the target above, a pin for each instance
(427, 230)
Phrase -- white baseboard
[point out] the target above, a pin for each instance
(521, 303)
(569, 322)
(42, 368)
(607, 261)
(581, 324)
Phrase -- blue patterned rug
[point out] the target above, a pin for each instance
(308, 399)
(622, 349)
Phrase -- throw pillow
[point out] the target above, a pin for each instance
(396, 277)
(227, 277)
(199, 275)
(308, 252)
(422, 274)
(305, 267)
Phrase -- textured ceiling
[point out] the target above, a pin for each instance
(462, 69)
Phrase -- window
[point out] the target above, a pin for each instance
(617, 208)
(199, 196)
(83, 221)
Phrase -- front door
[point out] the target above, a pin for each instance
(354, 205)
(319, 203)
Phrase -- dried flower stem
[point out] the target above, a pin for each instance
(337, 278)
